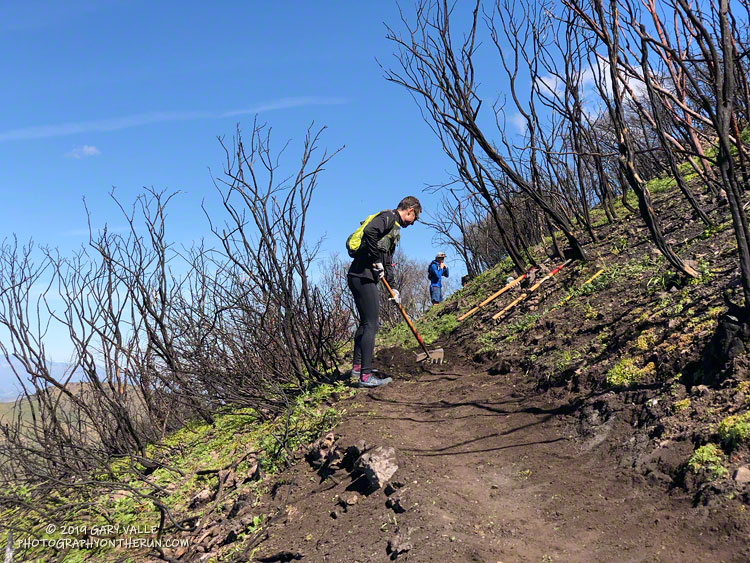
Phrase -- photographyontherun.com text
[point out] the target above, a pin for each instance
(108, 536)
(96, 543)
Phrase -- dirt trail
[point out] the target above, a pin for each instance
(489, 472)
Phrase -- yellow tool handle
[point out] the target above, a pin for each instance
(592, 278)
(492, 297)
(510, 305)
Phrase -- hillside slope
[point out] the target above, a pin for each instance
(593, 423)
(601, 421)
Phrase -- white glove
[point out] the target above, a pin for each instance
(396, 297)
(379, 270)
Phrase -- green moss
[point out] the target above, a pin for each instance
(735, 429)
(626, 373)
(708, 458)
(645, 340)
(679, 406)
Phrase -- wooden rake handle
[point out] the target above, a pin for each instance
(531, 289)
(406, 318)
(492, 297)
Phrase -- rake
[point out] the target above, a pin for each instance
(531, 290)
(435, 356)
(494, 296)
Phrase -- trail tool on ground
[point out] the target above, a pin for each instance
(592, 278)
(531, 290)
(494, 296)
(435, 356)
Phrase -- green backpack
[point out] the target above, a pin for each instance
(387, 244)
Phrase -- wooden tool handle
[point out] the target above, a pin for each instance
(406, 318)
(492, 297)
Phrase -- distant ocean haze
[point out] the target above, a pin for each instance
(10, 388)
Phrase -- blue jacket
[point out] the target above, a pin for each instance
(433, 272)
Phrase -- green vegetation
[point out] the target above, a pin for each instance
(645, 340)
(512, 329)
(589, 312)
(431, 326)
(626, 373)
(238, 436)
(594, 286)
(619, 245)
(623, 373)
(735, 429)
(679, 406)
(635, 268)
(486, 283)
(687, 171)
(663, 184)
(711, 230)
(434, 323)
(566, 358)
(488, 339)
(618, 205)
(669, 278)
(523, 474)
(714, 312)
(604, 335)
(708, 458)
(704, 269)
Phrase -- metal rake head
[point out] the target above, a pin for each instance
(432, 356)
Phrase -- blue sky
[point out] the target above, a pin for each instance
(132, 94)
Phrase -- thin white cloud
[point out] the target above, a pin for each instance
(519, 122)
(588, 79)
(83, 152)
(640, 90)
(552, 83)
(114, 124)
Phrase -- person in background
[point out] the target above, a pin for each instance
(375, 242)
(436, 271)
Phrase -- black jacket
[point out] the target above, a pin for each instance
(371, 252)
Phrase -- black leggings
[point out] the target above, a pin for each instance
(367, 300)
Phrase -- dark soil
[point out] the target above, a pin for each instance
(490, 471)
